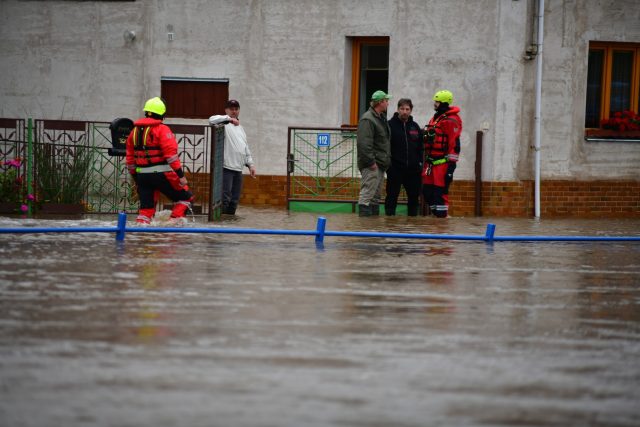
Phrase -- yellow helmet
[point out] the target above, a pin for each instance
(443, 96)
(156, 106)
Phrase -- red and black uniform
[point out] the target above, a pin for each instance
(442, 146)
(153, 161)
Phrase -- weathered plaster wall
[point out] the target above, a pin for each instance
(288, 62)
(70, 60)
(569, 26)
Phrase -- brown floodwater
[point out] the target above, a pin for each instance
(259, 330)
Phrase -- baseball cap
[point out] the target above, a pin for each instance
(379, 96)
(232, 103)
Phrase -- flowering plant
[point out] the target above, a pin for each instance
(11, 184)
(622, 121)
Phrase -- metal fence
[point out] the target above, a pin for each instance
(60, 149)
(322, 166)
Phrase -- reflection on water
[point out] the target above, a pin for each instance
(250, 330)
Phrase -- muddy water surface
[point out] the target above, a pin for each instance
(253, 330)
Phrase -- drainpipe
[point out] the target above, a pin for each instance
(536, 131)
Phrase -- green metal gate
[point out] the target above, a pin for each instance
(110, 187)
(322, 169)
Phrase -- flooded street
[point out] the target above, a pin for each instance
(258, 330)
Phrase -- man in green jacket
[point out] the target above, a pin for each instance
(374, 153)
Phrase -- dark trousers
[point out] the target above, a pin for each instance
(396, 178)
(436, 199)
(148, 183)
(231, 190)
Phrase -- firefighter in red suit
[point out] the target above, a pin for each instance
(442, 147)
(153, 161)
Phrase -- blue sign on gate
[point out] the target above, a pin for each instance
(324, 140)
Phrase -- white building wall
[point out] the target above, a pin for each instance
(288, 62)
(569, 26)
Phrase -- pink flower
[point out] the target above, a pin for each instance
(24, 208)
(31, 197)
(13, 163)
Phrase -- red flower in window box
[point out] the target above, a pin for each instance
(621, 125)
(622, 121)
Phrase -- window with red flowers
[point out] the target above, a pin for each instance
(613, 87)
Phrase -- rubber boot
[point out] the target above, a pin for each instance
(180, 209)
(145, 215)
(389, 210)
(143, 220)
(364, 210)
(228, 210)
(375, 209)
(440, 213)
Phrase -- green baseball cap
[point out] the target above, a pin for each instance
(379, 96)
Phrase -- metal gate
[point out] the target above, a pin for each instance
(322, 167)
(110, 188)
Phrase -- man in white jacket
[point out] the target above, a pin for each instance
(236, 156)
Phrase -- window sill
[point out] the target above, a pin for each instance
(608, 135)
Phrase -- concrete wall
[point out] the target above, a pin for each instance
(288, 62)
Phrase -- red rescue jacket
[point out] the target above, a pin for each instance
(442, 136)
(441, 146)
(151, 143)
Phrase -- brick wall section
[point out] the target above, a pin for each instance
(199, 185)
(585, 199)
(513, 199)
(590, 199)
(268, 190)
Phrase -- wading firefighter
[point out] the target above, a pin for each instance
(152, 160)
(442, 147)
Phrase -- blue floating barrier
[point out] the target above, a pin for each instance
(319, 233)
(122, 225)
(491, 230)
(322, 222)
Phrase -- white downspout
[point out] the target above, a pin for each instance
(536, 131)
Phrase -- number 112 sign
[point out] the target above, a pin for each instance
(324, 140)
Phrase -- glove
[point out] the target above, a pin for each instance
(451, 167)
